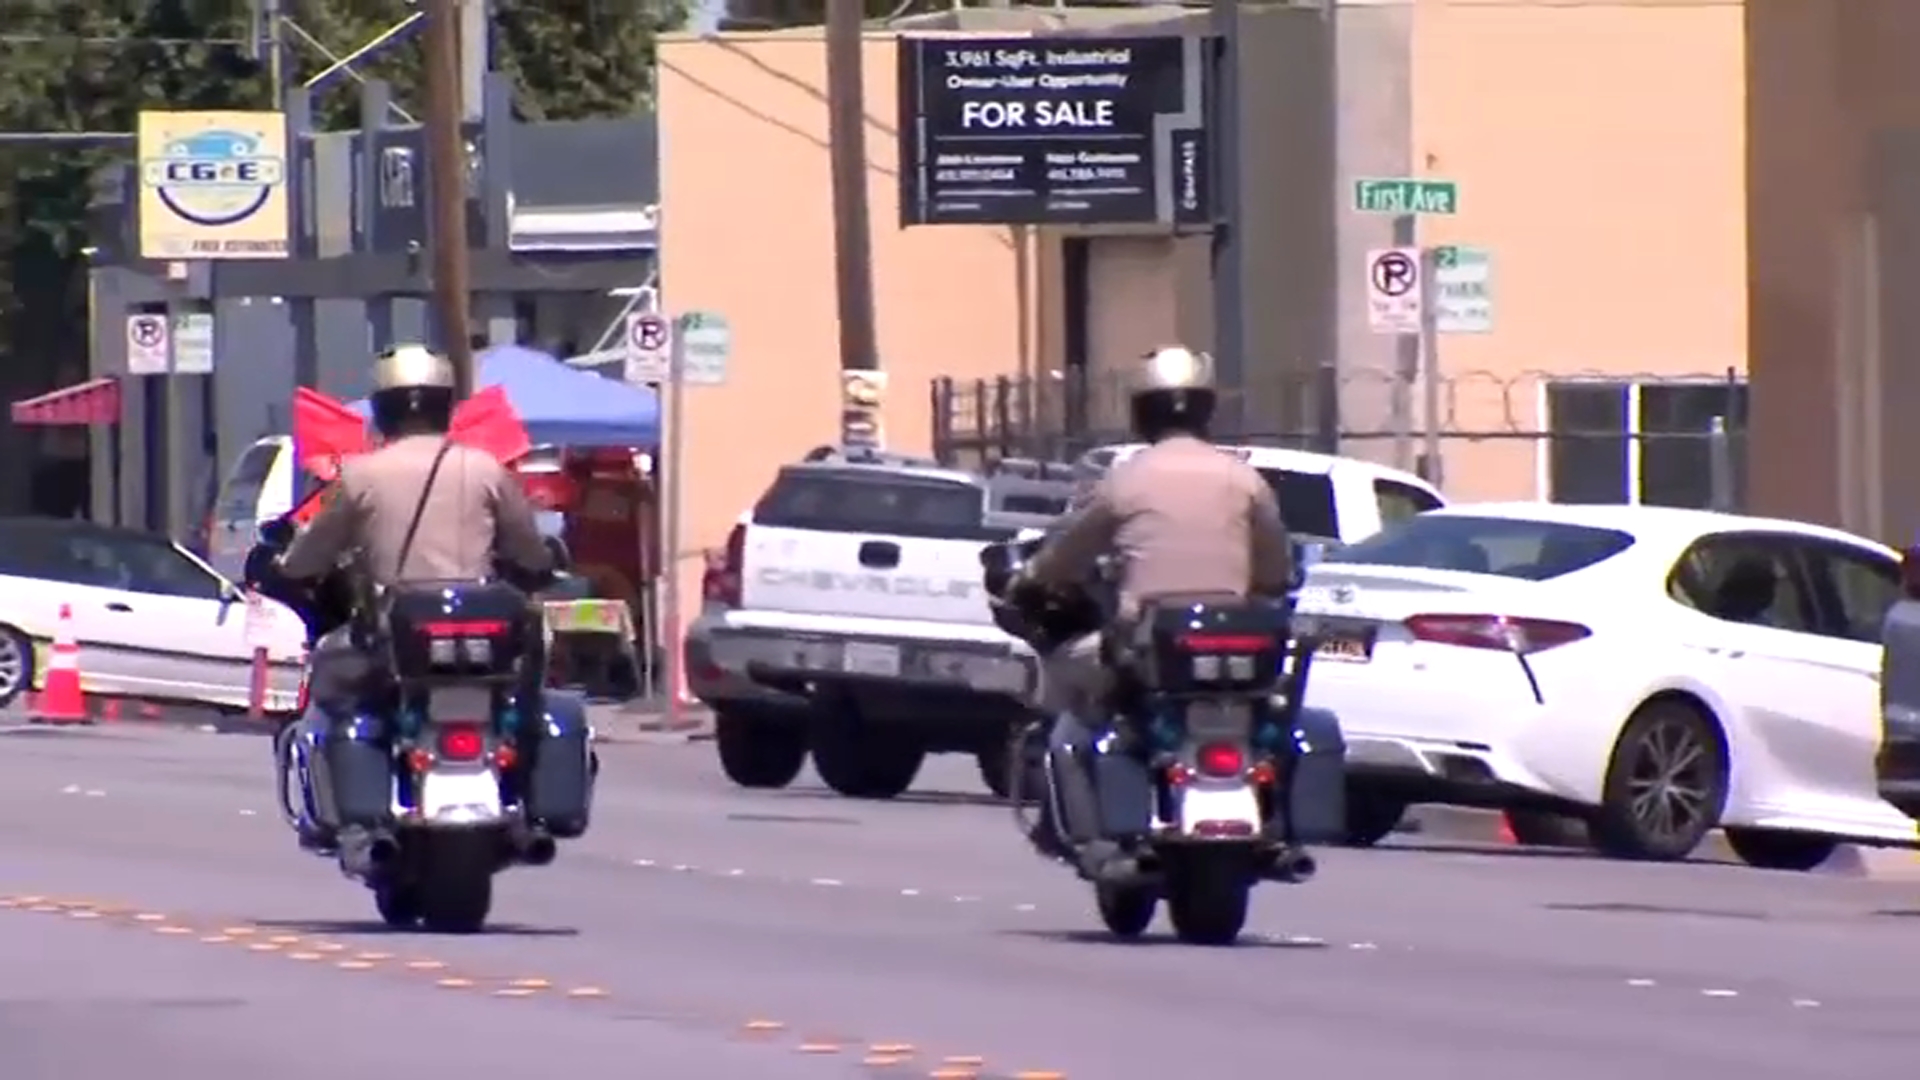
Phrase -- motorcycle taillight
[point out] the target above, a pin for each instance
(461, 742)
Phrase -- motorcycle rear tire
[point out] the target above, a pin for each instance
(399, 906)
(1207, 896)
(456, 883)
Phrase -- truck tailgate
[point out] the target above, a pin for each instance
(870, 575)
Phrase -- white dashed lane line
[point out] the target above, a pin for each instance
(1296, 941)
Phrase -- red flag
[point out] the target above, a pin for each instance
(326, 433)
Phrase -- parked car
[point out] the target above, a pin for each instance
(259, 488)
(1654, 672)
(152, 620)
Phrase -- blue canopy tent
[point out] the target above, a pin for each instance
(565, 406)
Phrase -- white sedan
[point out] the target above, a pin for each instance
(152, 621)
(1655, 672)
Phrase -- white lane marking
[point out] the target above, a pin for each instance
(825, 881)
(1640, 982)
(1719, 993)
(1805, 1003)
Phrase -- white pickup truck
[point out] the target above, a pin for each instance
(847, 617)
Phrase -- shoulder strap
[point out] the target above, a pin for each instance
(419, 510)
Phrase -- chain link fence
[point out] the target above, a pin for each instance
(1666, 439)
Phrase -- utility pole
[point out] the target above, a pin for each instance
(447, 188)
(1229, 281)
(852, 232)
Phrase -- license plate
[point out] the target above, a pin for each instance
(460, 704)
(1347, 649)
(865, 658)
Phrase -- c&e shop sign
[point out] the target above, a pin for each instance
(1054, 130)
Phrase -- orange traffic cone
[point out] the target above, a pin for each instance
(61, 700)
(1508, 836)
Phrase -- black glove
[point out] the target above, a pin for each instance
(262, 568)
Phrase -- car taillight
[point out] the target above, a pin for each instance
(721, 582)
(461, 742)
(1220, 759)
(1503, 632)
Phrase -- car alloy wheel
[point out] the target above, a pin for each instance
(1669, 780)
(1665, 784)
(16, 665)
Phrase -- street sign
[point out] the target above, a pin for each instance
(1462, 290)
(705, 343)
(147, 348)
(193, 344)
(648, 344)
(1393, 290)
(1406, 196)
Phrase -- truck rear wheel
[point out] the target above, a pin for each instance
(758, 751)
(860, 763)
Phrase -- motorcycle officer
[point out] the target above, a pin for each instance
(421, 507)
(1183, 519)
(418, 508)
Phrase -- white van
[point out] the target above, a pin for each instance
(259, 488)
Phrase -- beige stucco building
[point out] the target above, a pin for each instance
(1670, 190)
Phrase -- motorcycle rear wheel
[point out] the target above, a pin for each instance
(1207, 896)
(456, 882)
(399, 906)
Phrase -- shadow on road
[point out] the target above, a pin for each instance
(350, 928)
(1498, 851)
(911, 798)
(1148, 941)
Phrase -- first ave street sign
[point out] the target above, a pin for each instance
(1054, 130)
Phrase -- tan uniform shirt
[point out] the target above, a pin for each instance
(1185, 518)
(476, 508)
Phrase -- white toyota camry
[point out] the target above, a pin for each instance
(1655, 672)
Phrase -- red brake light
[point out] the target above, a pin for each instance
(1502, 632)
(1220, 759)
(462, 742)
(464, 628)
(1225, 643)
(721, 582)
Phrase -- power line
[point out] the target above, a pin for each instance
(83, 39)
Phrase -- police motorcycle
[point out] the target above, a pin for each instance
(1209, 773)
(440, 751)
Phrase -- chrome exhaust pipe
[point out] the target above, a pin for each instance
(383, 852)
(1296, 867)
(363, 855)
(536, 849)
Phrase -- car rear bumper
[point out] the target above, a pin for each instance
(810, 663)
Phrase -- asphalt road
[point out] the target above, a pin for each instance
(156, 919)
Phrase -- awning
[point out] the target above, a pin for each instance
(96, 401)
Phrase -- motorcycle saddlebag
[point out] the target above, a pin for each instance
(358, 772)
(1317, 794)
(560, 783)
